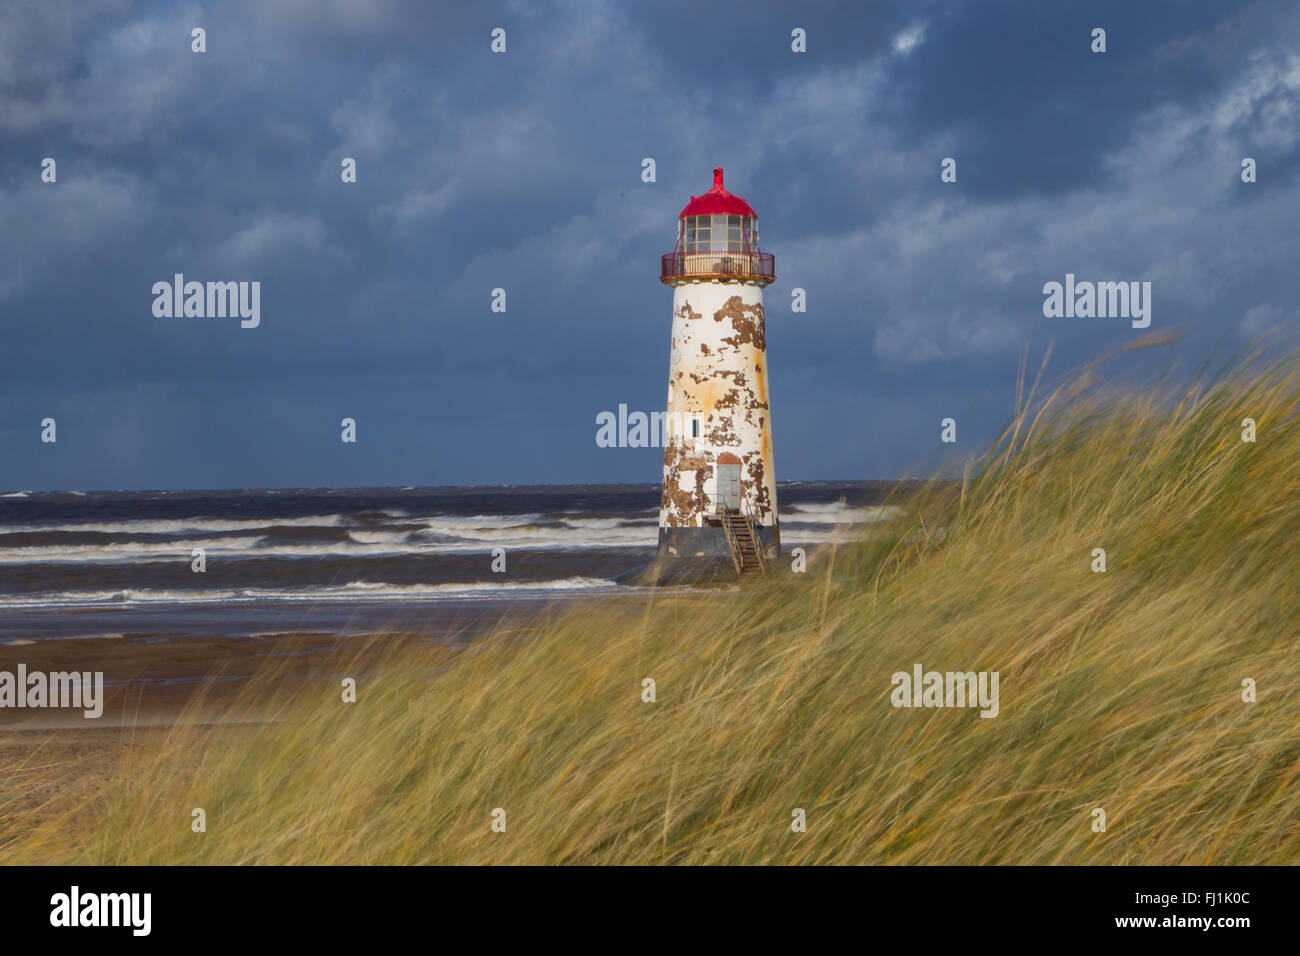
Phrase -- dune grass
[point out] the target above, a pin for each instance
(1120, 690)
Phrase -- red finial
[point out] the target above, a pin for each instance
(717, 201)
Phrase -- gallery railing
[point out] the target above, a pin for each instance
(718, 265)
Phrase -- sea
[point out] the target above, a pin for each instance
(341, 561)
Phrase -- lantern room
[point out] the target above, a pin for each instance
(717, 238)
(721, 233)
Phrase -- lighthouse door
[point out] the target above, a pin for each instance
(729, 486)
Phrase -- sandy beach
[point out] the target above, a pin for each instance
(152, 683)
(150, 689)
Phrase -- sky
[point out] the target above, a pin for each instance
(522, 171)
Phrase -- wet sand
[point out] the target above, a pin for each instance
(154, 659)
(40, 766)
(49, 754)
(172, 672)
(155, 677)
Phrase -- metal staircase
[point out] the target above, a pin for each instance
(746, 552)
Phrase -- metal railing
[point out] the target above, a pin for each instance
(717, 265)
(733, 544)
(753, 534)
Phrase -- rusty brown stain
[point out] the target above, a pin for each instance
(737, 376)
(762, 500)
(681, 505)
(721, 435)
(729, 400)
(760, 390)
(709, 394)
(721, 396)
(746, 321)
(750, 403)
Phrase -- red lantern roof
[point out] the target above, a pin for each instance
(717, 202)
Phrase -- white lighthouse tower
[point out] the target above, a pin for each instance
(719, 493)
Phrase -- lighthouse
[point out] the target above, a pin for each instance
(718, 508)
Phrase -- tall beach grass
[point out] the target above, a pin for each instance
(1120, 690)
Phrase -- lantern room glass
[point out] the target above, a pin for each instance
(718, 234)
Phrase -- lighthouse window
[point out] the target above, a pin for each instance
(733, 234)
(718, 233)
(699, 233)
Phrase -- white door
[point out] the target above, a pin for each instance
(729, 486)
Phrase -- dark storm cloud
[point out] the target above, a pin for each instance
(522, 171)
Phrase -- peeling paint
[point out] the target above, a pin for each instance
(746, 321)
(684, 497)
(730, 400)
(718, 372)
(754, 468)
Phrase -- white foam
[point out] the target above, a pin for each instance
(196, 526)
(127, 551)
(181, 526)
(353, 591)
(433, 535)
(441, 534)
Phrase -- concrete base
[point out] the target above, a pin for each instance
(699, 556)
(711, 542)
